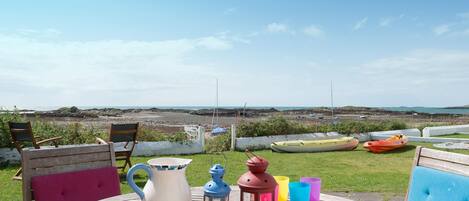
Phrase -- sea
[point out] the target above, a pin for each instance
(429, 110)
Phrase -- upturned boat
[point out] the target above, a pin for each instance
(297, 146)
(393, 142)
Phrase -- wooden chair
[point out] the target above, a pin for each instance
(22, 133)
(123, 133)
(439, 175)
(76, 171)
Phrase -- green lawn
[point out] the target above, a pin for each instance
(356, 171)
(456, 135)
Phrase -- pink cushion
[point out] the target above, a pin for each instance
(85, 185)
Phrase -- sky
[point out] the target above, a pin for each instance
(263, 53)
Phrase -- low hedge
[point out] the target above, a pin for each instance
(281, 126)
(77, 133)
(218, 143)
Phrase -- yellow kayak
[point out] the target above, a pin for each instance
(296, 146)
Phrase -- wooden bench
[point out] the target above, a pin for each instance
(52, 162)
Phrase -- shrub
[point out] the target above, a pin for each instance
(272, 126)
(281, 126)
(350, 127)
(73, 133)
(218, 144)
(5, 138)
(154, 135)
(77, 133)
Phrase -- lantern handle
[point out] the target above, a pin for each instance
(249, 154)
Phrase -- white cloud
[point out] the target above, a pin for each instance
(361, 23)
(454, 28)
(214, 43)
(441, 29)
(277, 28)
(384, 22)
(50, 32)
(106, 72)
(230, 11)
(313, 31)
(428, 65)
(387, 21)
(466, 32)
(421, 76)
(464, 15)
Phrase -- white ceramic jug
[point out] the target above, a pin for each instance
(167, 180)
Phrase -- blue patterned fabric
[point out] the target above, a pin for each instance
(435, 185)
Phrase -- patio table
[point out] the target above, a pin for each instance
(197, 195)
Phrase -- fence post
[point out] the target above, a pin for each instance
(233, 137)
(201, 136)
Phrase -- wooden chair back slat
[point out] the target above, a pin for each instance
(122, 138)
(124, 127)
(69, 160)
(444, 161)
(444, 166)
(70, 168)
(21, 132)
(69, 151)
(123, 132)
(36, 162)
(445, 156)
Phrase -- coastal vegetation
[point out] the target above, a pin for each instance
(218, 143)
(79, 133)
(76, 133)
(281, 126)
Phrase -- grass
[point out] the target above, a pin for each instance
(355, 171)
(456, 135)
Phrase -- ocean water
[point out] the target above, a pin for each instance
(429, 110)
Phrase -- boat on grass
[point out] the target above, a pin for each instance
(380, 146)
(299, 146)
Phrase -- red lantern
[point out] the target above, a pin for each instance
(259, 185)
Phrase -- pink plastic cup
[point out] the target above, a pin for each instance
(315, 184)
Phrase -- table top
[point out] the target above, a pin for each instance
(197, 195)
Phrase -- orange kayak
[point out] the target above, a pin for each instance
(394, 142)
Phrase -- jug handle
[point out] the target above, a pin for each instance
(130, 178)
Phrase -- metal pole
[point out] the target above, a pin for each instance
(217, 102)
(332, 103)
(244, 110)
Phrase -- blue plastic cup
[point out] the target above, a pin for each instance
(299, 191)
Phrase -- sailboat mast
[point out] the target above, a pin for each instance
(244, 110)
(217, 101)
(332, 102)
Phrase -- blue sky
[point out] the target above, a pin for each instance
(412, 53)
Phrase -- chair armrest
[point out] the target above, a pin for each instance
(54, 139)
(100, 141)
